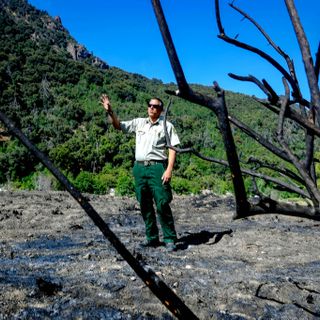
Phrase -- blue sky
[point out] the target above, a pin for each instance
(124, 33)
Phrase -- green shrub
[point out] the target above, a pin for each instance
(125, 185)
(184, 186)
(103, 182)
(222, 186)
(26, 183)
(84, 182)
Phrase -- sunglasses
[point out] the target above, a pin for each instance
(156, 106)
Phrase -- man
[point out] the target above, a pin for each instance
(152, 170)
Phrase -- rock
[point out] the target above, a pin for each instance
(57, 19)
(47, 287)
(79, 53)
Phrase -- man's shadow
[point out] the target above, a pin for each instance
(201, 237)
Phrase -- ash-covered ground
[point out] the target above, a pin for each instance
(55, 263)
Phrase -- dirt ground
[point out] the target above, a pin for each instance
(55, 263)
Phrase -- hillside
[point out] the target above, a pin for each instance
(50, 86)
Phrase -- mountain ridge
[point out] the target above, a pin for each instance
(51, 86)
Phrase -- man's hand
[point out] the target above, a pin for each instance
(166, 177)
(105, 101)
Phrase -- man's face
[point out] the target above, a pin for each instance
(154, 109)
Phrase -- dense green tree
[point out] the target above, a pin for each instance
(55, 100)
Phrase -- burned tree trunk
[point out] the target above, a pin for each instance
(217, 105)
(303, 180)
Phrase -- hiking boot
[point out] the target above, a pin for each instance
(150, 244)
(170, 247)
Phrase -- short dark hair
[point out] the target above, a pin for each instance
(161, 102)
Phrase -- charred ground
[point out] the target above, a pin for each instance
(56, 264)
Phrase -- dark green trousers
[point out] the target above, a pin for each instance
(149, 188)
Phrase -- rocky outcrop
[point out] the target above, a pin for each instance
(71, 48)
(99, 63)
(50, 30)
(57, 19)
(79, 53)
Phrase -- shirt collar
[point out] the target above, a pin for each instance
(148, 120)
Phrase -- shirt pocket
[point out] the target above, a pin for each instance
(159, 140)
(140, 135)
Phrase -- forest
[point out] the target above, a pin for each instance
(53, 96)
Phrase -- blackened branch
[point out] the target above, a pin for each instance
(310, 185)
(149, 277)
(254, 80)
(172, 53)
(293, 115)
(223, 36)
(283, 185)
(275, 167)
(260, 139)
(306, 58)
(317, 63)
(187, 150)
(274, 96)
(218, 17)
(270, 41)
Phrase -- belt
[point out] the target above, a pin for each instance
(147, 163)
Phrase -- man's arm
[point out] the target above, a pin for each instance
(166, 177)
(105, 101)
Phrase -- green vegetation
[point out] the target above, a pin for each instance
(54, 99)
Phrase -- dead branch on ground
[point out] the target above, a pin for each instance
(157, 286)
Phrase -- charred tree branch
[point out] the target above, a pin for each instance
(270, 41)
(217, 105)
(275, 97)
(309, 163)
(283, 171)
(312, 188)
(261, 140)
(169, 299)
(317, 63)
(223, 36)
(174, 60)
(306, 57)
(267, 205)
(218, 18)
(283, 185)
(272, 98)
(293, 115)
(266, 57)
